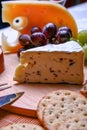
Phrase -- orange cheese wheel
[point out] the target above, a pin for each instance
(23, 15)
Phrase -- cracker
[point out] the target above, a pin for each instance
(68, 104)
(44, 102)
(78, 123)
(22, 126)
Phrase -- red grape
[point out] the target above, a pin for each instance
(24, 39)
(35, 29)
(63, 36)
(50, 30)
(38, 39)
(67, 29)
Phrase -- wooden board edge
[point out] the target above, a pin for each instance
(20, 111)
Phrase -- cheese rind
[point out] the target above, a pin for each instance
(61, 63)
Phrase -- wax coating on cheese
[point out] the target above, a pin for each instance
(23, 15)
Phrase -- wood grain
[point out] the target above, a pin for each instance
(27, 104)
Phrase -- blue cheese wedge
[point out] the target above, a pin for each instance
(62, 63)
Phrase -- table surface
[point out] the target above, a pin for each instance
(79, 12)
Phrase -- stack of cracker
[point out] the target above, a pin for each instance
(63, 110)
(58, 110)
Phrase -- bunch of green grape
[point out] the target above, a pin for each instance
(82, 39)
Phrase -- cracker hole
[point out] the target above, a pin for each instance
(85, 114)
(61, 112)
(74, 98)
(67, 93)
(76, 121)
(54, 104)
(51, 121)
(83, 125)
(81, 109)
(57, 116)
(71, 111)
(57, 93)
(48, 97)
(62, 106)
(84, 103)
(12, 127)
(23, 126)
(77, 105)
(67, 126)
(50, 112)
(62, 99)
(44, 105)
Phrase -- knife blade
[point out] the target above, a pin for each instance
(7, 99)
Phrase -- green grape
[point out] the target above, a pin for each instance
(73, 39)
(80, 43)
(85, 50)
(82, 37)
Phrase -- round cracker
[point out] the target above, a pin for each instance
(44, 102)
(78, 123)
(22, 126)
(68, 104)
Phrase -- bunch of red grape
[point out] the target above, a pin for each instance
(50, 34)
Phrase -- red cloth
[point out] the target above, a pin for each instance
(7, 118)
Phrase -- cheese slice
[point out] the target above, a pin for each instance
(51, 63)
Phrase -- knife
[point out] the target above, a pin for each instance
(7, 99)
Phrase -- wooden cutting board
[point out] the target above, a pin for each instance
(27, 104)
